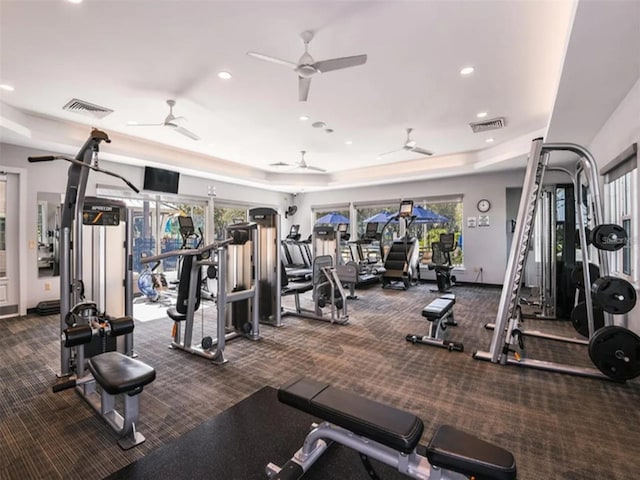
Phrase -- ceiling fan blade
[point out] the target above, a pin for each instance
(303, 88)
(268, 58)
(338, 63)
(315, 169)
(280, 164)
(186, 133)
(389, 153)
(421, 151)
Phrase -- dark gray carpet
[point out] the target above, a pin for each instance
(557, 426)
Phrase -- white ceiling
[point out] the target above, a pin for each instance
(131, 56)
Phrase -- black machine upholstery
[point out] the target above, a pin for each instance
(438, 308)
(117, 373)
(461, 452)
(179, 312)
(289, 288)
(389, 426)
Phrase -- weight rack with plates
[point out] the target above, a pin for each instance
(612, 348)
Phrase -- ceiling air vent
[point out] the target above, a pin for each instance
(85, 108)
(486, 125)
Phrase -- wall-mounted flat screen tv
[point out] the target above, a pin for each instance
(159, 180)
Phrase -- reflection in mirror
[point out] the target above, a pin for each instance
(48, 233)
(3, 248)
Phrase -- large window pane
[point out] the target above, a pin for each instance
(225, 215)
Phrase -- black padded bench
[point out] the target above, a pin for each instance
(384, 429)
(118, 374)
(440, 313)
(439, 308)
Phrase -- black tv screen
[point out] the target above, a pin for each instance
(160, 180)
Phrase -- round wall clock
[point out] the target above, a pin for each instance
(484, 205)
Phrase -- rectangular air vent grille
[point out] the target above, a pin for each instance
(486, 125)
(86, 108)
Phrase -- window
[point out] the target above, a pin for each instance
(621, 208)
(429, 232)
(225, 215)
(444, 216)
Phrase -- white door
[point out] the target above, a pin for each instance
(9, 269)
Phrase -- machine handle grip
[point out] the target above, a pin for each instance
(46, 158)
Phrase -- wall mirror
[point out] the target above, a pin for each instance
(48, 233)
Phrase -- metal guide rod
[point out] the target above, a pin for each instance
(65, 298)
(128, 279)
(586, 273)
(519, 247)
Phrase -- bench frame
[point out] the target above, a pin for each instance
(124, 424)
(322, 436)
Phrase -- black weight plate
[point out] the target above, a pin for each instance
(613, 295)
(580, 321)
(576, 274)
(609, 237)
(616, 352)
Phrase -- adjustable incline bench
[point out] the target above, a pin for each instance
(388, 435)
(440, 315)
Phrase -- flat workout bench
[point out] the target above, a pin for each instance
(386, 434)
(440, 315)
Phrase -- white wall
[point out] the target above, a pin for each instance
(52, 177)
(616, 135)
(483, 247)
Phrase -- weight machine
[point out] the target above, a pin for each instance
(91, 350)
(613, 349)
(237, 261)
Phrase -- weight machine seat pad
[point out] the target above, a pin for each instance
(117, 373)
(384, 424)
(461, 452)
(437, 308)
(296, 288)
(175, 315)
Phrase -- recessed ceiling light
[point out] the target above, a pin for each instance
(489, 140)
(467, 71)
(6, 87)
(74, 1)
(481, 114)
(328, 130)
(224, 75)
(348, 142)
(304, 118)
(318, 124)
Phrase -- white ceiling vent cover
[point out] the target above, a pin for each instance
(486, 125)
(85, 108)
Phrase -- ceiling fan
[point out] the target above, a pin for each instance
(170, 121)
(307, 67)
(409, 145)
(302, 164)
